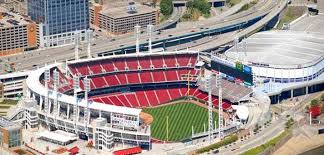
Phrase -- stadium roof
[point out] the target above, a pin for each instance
(280, 49)
(34, 84)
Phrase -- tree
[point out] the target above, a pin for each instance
(314, 102)
(166, 7)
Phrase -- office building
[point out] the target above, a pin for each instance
(59, 20)
(17, 33)
(120, 18)
(10, 134)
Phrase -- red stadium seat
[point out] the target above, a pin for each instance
(169, 60)
(158, 77)
(120, 64)
(146, 77)
(112, 80)
(133, 78)
(145, 62)
(122, 78)
(108, 66)
(171, 75)
(132, 99)
(99, 82)
(157, 62)
(163, 95)
(142, 99)
(132, 63)
(152, 97)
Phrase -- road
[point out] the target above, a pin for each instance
(40, 57)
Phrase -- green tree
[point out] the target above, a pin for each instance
(314, 102)
(166, 7)
(202, 5)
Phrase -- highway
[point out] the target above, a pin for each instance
(40, 57)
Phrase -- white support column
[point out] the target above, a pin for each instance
(137, 33)
(149, 31)
(89, 38)
(76, 45)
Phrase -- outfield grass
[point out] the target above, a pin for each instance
(181, 118)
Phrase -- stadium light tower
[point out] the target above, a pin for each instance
(56, 109)
(75, 106)
(220, 107)
(46, 105)
(86, 82)
(137, 33)
(210, 107)
(76, 45)
(149, 31)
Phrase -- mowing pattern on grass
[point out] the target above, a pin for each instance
(181, 118)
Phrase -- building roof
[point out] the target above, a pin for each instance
(56, 136)
(242, 111)
(129, 151)
(281, 49)
(10, 19)
(15, 74)
(121, 11)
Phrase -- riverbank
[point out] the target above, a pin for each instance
(306, 139)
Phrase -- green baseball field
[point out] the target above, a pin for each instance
(176, 121)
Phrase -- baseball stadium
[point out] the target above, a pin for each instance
(138, 99)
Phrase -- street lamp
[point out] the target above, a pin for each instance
(310, 118)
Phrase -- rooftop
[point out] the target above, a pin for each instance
(122, 9)
(281, 48)
(10, 19)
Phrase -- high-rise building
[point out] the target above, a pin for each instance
(58, 20)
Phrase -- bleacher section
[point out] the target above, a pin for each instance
(232, 91)
(147, 62)
(149, 98)
(137, 72)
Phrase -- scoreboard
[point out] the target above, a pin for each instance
(233, 70)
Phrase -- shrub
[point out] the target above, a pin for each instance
(314, 102)
(228, 140)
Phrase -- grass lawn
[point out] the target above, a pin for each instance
(232, 2)
(290, 14)
(181, 118)
(9, 102)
